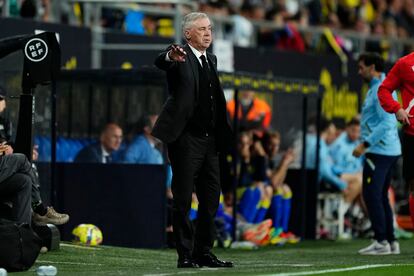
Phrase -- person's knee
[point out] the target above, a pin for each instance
(25, 182)
(19, 159)
(286, 189)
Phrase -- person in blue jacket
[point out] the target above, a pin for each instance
(381, 146)
(341, 150)
(143, 148)
(326, 173)
(349, 185)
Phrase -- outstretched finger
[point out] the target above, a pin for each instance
(182, 51)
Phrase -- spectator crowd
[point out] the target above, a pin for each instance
(245, 21)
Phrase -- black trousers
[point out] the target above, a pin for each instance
(376, 182)
(408, 157)
(16, 185)
(195, 164)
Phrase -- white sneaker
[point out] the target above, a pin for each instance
(395, 248)
(376, 248)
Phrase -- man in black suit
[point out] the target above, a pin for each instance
(102, 152)
(194, 125)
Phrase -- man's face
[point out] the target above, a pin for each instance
(330, 134)
(200, 34)
(111, 139)
(353, 132)
(365, 71)
(274, 146)
(246, 97)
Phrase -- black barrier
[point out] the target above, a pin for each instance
(304, 201)
(127, 202)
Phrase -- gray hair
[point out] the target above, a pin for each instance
(189, 19)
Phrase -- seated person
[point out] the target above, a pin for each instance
(255, 195)
(143, 147)
(346, 184)
(16, 185)
(102, 152)
(345, 165)
(341, 150)
(277, 169)
(42, 214)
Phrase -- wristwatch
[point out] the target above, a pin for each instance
(366, 144)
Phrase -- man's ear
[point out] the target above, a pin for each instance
(187, 35)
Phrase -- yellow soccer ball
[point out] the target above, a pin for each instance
(87, 234)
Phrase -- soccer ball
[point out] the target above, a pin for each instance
(87, 234)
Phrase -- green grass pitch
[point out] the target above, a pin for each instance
(305, 258)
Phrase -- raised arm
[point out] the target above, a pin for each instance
(169, 58)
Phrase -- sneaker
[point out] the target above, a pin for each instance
(275, 238)
(402, 234)
(51, 217)
(395, 248)
(258, 237)
(257, 229)
(376, 248)
(290, 237)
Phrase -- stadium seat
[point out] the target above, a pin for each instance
(44, 149)
(331, 209)
(66, 148)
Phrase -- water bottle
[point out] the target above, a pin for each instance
(3, 272)
(46, 270)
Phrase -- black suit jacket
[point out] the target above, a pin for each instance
(183, 86)
(90, 154)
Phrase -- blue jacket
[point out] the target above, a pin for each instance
(341, 152)
(326, 172)
(140, 151)
(378, 127)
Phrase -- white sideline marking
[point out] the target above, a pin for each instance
(213, 269)
(166, 274)
(276, 264)
(80, 246)
(331, 270)
(71, 263)
(295, 273)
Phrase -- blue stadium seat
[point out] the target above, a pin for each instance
(66, 148)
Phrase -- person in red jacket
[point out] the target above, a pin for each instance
(401, 77)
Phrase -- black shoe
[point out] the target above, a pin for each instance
(186, 263)
(209, 260)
